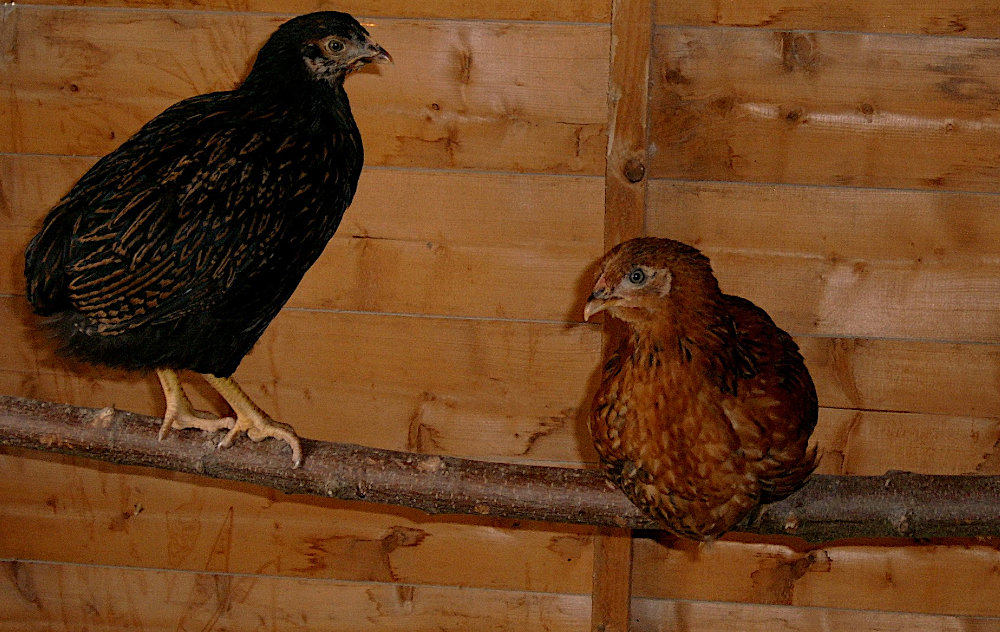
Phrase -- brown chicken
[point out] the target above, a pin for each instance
(705, 410)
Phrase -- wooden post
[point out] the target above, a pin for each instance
(628, 120)
(612, 594)
(624, 218)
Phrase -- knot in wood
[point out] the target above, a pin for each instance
(634, 170)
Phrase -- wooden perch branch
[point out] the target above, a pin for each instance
(898, 504)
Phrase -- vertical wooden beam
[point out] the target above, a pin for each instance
(628, 120)
(624, 218)
(611, 609)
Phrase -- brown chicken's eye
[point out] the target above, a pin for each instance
(637, 276)
(335, 46)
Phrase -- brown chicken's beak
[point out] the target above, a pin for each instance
(594, 305)
(600, 299)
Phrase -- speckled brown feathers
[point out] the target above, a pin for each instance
(706, 409)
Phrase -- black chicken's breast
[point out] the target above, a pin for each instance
(177, 249)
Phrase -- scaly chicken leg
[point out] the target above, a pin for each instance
(249, 417)
(180, 413)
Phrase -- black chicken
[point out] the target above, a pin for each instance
(176, 250)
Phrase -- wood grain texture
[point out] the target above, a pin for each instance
(414, 241)
(498, 389)
(825, 509)
(626, 180)
(835, 223)
(536, 10)
(95, 513)
(435, 484)
(65, 596)
(921, 17)
(299, 373)
(707, 616)
(611, 598)
(463, 244)
(39, 596)
(788, 101)
(955, 578)
(626, 184)
(875, 442)
(845, 261)
(922, 300)
(101, 515)
(825, 108)
(513, 96)
(893, 375)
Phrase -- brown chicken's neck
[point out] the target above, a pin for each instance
(680, 337)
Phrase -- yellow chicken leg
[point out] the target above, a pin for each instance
(180, 413)
(253, 420)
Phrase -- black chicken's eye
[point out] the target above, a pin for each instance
(637, 276)
(335, 46)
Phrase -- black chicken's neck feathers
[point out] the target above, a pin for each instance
(303, 95)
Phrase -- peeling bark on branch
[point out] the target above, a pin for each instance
(898, 504)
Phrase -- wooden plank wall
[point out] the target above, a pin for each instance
(443, 318)
(838, 163)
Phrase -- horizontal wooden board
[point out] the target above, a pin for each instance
(414, 241)
(467, 387)
(969, 18)
(891, 375)
(955, 579)
(867, 299)
(521, 391)
(515, 96)
(39, 596)
(57, 596)
(825, 108)
(845, 261)
(835, 223)
(93, 513)
(872, 443)
(660, 615)
(104, 516)
(542, 10)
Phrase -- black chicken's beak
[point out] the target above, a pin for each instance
(369, 53)
(377, 54)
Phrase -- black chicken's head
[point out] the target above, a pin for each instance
(649, 278)
(322, 46)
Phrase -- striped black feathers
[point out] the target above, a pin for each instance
(177, 249)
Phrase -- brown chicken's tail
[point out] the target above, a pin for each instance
(790, 477)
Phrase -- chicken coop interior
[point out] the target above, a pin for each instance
(839, 163)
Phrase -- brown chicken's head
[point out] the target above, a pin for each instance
(647, 279)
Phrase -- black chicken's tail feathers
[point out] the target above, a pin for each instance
(45, 259)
